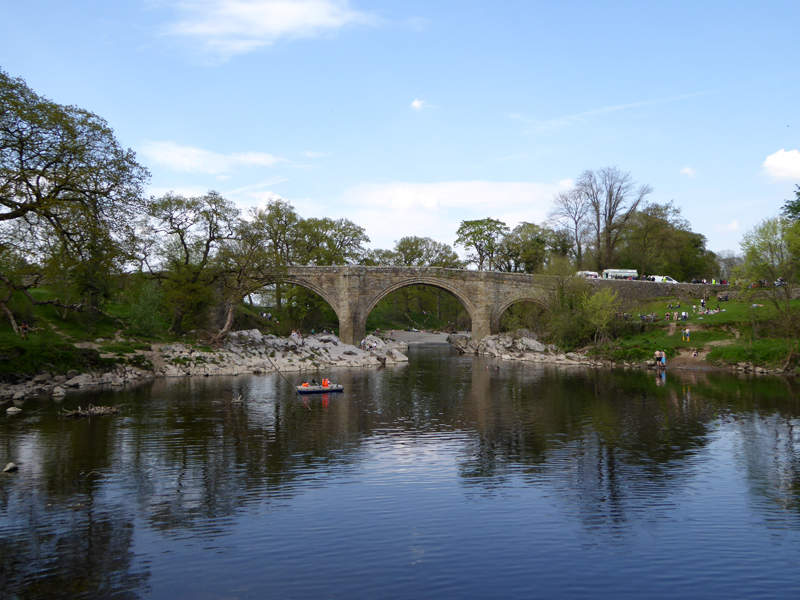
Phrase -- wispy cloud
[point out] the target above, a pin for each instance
(732, 226)
(783, 165)
(418, 104)
(313, 154)
(390, 211)
(226, 28)
(550, 125)
(688, 172)
(188, 159)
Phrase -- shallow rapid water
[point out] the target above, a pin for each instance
(442, 478)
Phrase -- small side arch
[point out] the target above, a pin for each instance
(535, 299)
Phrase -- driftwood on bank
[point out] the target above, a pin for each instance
(92, 411)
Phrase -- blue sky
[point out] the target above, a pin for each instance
(408, 117)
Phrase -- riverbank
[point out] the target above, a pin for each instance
(523, 346)
(242, 352)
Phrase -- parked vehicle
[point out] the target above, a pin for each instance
(662, 279)
(620, 274)
(588, 274)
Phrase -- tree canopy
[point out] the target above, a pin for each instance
(483, 238)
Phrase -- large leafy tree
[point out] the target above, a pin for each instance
(191, 230)
(772, 253)
(482, 239)
(68, 191)
(413, 251)
(524, 249)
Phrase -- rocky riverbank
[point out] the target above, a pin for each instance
(523, 346)
(242, 352)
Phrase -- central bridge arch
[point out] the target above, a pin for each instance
(423, 280)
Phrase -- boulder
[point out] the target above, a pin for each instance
(10, 468)
(13, 410)
(80, 381)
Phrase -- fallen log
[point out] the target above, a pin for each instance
(92, 411)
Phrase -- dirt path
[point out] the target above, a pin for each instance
(688, 359)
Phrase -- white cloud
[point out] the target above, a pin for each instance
(393, 210)
(688, 172)
(188, 159)
(312, 154)
(783, 165)
(418, 104)
(730, 227)
(227, 28)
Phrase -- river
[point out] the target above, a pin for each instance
(446, 477)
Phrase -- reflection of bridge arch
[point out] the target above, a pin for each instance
(442, 284)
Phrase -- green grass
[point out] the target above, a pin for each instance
(641, 347)
(764, 352)
(45, 352)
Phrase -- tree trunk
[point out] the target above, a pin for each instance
(230, 311)
(10, 317)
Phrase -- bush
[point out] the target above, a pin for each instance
(144, 309)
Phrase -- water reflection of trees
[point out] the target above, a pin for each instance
(617, 445)
(189, 453)
(61, 535)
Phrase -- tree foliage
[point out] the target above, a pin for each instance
(482, 239)
(772, 256)
(68, 195)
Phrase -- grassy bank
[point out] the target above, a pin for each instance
(744, 330)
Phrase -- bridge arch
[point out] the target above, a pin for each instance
(442, 284)
(325, 292)
(537, 299)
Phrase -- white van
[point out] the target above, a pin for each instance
(620, 274)
(587, 274)
(662, 279)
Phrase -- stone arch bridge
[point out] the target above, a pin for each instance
(353, 291)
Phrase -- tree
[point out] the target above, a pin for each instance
(246, 264)
(600, 309)
(192, 230)
(279, 225)
(730, 263)
(413, 251)
(524, 250)
(613, 198)
(791, 208)
(67, 189)
(483, 236)
(571, 213)
(772, 254)
(650, 232)
(327, 242)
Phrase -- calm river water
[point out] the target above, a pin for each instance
(443, 478)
